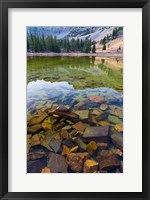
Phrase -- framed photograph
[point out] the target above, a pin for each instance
(74, 99)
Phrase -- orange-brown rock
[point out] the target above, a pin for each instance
(102, 146)
(35, 140)
(104, 123)
(109, 163)
(104, 154)
(90, 166)
(79, 126)
(66, 150)
(38, 119)
(76, 161)
(119, 128)
(34, 128)
(46, 170)
(64, 134)
(96, 99)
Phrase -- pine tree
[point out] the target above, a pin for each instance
(43, 44)
(28, 44)
(104, 47)
(94, 49)
(31, 42)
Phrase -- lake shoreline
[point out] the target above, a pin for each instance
(51, 54)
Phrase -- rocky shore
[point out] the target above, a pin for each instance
(100, 54)
(85, 137)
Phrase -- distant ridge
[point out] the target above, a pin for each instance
(93, 33)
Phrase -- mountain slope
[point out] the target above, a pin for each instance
(93, 33)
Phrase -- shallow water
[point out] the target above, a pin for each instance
(81, 72)
(68, 81)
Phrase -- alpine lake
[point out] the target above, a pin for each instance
(74, 115)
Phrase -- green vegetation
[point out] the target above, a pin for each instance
(37, 43)
(112, 36)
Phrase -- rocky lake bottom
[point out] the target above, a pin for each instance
(74, 129)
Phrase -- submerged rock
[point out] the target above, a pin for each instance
(109, 163)
(46, 140)
(57, 163)
(64, 134)
(79, 126)
(46, 170)
(96, 99)
(91, 147)
(68, 115)
(35, 140)
(81, 144)
(66, 150)
(68, 127)
(119, 128)
(46, 126)
(117, 140)
(117, 152)
(36, 166)
(90, 166)
(102, 146)
(97, 112)
(34, 128)
(38, 119)
(103, 107)
(81, 106)
(68, 142)
(114, 119)
(76, 161)
(83, 114)
(103, 155)
(98, 134)
(51, 120)
(37, 152)
(61, 109)
(103, 123)
(107, 160)
(115, 110)
(55, 145)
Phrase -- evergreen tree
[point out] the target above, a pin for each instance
(28, 44)
(104, 47)
(31, 42)
(43, 44)
(94, 49)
